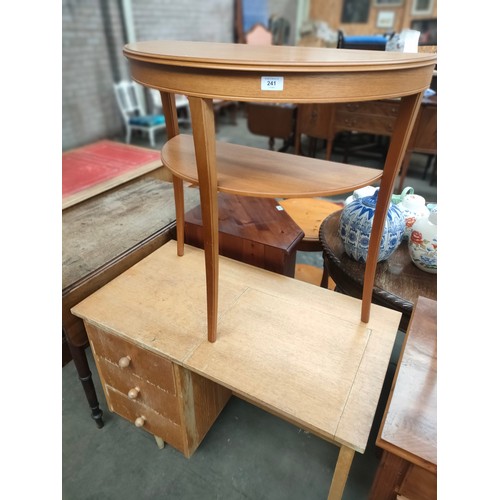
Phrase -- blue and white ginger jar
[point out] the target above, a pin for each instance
(356, 223)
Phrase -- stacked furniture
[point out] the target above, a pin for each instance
(309, 355)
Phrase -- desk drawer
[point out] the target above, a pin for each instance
(375, 108)
(383, 125)
(147, 394)
(154, 423)
(144, 364)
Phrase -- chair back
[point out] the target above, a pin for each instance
(127, 99)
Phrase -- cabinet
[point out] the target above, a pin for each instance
(239, 72)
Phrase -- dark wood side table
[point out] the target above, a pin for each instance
(253, 230)
(408, 433)
(398, 282)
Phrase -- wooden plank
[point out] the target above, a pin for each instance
(409, 425)
(294, 349)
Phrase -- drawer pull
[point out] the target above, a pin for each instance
(133, 393)
(124, 362)
(139, 421)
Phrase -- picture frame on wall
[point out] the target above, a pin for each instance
(385, 19)
(422, 7)
(355, 11)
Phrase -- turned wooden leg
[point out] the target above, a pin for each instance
(341, 473)
(202, 115)
(408, 111)
(85, 376)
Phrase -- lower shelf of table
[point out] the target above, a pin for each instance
(248, 171)
(295, 349)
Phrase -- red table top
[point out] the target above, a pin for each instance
(99, 162)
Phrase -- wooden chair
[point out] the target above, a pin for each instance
(133, 113)
(181, 103)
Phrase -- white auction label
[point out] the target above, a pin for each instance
(272, 82)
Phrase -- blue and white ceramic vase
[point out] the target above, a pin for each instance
(356, 223)
(422, 244)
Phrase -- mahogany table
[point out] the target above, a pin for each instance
(398, 282)
(253, 230)
(408, 433)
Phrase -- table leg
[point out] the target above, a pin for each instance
(341, 472)
(408, 111)
(172, 123)
(85, 376)
(179, 213)
(202, 116)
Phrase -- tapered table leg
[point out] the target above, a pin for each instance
(172, 124)
(202, 116)
(408, 111)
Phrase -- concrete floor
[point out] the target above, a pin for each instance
(248, 453)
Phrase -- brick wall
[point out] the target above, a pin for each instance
(92, 59)
(92, 56)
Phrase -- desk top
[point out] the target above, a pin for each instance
(102, 165)
(409, 426)
(295, 349)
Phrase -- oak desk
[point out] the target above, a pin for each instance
(408, 433)
(294, 349)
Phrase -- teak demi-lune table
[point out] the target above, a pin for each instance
(313, 357)
(239, 72)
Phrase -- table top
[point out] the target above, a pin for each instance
(98, 230)
(409, 425)
(255, 220)
(277, 73)
(94, 168)
(257, 58)
(398, 282)
(294, 349)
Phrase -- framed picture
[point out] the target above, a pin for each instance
(422, 7)
(428, 31)
(355, 11)
(387, 3)
(385, 19)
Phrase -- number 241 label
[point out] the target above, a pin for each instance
(271, 82)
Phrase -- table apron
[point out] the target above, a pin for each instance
(298, 87)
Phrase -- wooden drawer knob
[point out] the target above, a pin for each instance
(133, 393)
(124, 362)
(139, 421)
